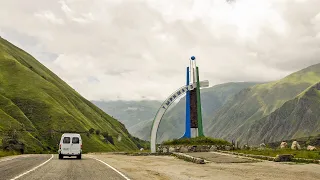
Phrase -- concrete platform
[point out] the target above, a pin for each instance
(221, 158)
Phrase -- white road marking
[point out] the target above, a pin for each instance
(111, 168)
(33, 169)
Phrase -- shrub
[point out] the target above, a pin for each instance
(91, 130)
(110, 139)
(105, 134)
(10, 142)
(97, 132)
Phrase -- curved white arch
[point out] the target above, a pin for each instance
(165, 105)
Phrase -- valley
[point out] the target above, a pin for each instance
(246, 112)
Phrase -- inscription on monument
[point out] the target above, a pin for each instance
(193, 109)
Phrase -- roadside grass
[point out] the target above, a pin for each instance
(274, 152)
(7, 153)
(196, 141)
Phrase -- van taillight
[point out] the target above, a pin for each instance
(60, 146)
(81, 146)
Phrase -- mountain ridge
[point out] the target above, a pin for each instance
(175, 127)
(259, 101)
(233, 117)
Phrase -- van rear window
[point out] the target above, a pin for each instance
(66, 140)
(75, 140)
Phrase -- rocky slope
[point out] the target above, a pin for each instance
(297, 118)
(270, 111)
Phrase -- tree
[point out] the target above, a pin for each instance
(91, 130)
(110, 139)
(105, 134)
(10, 142)
(97, 132)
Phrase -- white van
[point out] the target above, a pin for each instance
(70, 145)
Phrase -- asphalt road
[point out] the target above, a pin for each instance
(36, 167)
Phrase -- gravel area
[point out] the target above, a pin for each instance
(169, 167)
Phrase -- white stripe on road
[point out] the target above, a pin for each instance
(17, 177)
(112, 168)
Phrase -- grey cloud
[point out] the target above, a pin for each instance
(30, 44)
(142, 47)
(299, 47)
(116, 72)
(23, 39)
(93, 79)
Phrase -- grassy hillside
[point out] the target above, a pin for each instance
(235, 118)
(40, 106)
(295, 119)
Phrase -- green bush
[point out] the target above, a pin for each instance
(91, 130)
(105, 134)
(11, 142)
(97, 132)
(110, 139)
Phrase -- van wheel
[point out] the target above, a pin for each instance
(79, 156)
(60, 156)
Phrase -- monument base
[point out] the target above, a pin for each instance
(194, 132)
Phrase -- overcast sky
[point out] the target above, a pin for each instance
(135, 49)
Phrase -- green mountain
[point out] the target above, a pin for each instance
(270, 111)
(135, 115)
(295, 119)
(138, 115)
(39, 106)
(172, 125)
(212, 99)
